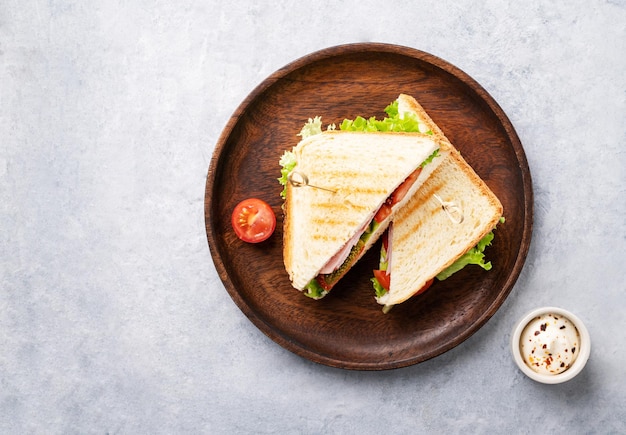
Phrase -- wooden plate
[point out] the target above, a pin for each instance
(347, 328)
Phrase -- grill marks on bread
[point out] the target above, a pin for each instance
(420, 199)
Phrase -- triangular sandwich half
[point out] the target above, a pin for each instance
(356, 180)
(444, 226)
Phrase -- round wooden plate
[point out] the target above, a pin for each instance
(347, 328)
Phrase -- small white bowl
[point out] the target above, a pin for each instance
(578, 364)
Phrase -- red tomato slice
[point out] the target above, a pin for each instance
(386, 241)
(426, 286)
(253, 220)
(383, 278)
(321, 280)
(397, 196)
(383, 213)
(403, 189)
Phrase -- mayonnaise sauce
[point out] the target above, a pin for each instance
(550, 344)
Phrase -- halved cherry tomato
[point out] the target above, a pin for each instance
(253, 220)
(383, 278)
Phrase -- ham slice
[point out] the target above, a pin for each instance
(389, 248)
(338, 259)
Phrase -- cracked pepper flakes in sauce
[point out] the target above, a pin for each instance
(549, 344)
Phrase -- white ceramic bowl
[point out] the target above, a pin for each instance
(577, 365)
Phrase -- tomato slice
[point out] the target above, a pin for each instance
(321, 280)
(385, 210)
(383, 213)
(253, 220)
(404, 188)
(383, 278)
(426, 286)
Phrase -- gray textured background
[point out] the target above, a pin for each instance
(112, 317)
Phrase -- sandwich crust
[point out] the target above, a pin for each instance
(406, 103)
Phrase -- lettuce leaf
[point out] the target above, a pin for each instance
(288, 159)
(382, 265)
(314, 290)
(430, 158)
(311, 128)
(473, 256)
(392, 122)
(378, 289)
(288, 162)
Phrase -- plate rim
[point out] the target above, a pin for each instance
(359, 48)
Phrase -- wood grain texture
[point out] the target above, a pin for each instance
(347, 328)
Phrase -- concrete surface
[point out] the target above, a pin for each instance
(112, 317)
